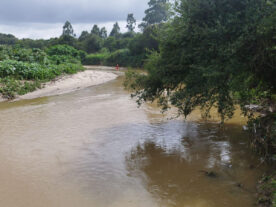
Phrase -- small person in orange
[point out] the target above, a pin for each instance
(117, 67)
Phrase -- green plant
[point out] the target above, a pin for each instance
(95, 59)
(9, 87)
(120, 57)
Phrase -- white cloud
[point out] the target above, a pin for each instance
(77, 11)
(45, 18)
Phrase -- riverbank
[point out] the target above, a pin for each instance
(69, 83)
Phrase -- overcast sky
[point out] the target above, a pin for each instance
(45, 18)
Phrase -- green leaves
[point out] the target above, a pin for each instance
(131, 22)
(24, 55)
(22, 70)
(157, 12)
(214, 54)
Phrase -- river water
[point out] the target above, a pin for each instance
(95, 148)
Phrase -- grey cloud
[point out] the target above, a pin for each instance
(76, 11)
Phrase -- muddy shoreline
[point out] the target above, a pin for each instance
(68, 83)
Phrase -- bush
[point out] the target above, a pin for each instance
(24, 55)
(59, 54)
(121, 57)
(34, 71)
(11, 87)
(59, 59)
(65, 50)
(95, 59)
(22, 70)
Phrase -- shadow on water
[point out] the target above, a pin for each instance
(171, 161)
(209, 167)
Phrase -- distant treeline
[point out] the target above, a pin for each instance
(126, 49)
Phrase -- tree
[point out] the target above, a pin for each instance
(115, 32)
(142, 43)
(213, 54)
(111, 43)
(92, 44)
(84, 35)
(103, 33)
(95, 30)
(68, 30)
(157, 12)
(131, 22)
(7, 39)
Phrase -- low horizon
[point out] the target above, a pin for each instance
(48, 31)
(44, 20)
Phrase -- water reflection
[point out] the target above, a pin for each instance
(94, 147)
(178, 176)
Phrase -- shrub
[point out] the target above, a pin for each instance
(24, 55)
(22, 70)
(59, 54)
(35, 71)
(95, 59)
(10, 87)
(121, 57)
(63, 50)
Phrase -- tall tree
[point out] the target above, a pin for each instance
(131, 22)
(115, 32)
(68, 29)
(7, 39)
(84, 35)
(157, 12)
(214, 54)
(92, 44)
(95, 30)
(103, 33)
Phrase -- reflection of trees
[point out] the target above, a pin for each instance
(174, 175)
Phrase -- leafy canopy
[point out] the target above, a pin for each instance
(115, 32)
(131, 22)
(215, 53)
(68, 29)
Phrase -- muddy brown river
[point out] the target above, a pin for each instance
(95, 148)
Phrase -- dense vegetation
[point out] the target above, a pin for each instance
(217, 54)
(23, 70)
(125, 49)
(198, 54)
(267, 190)
(25, 63)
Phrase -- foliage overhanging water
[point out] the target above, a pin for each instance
(94, 147)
